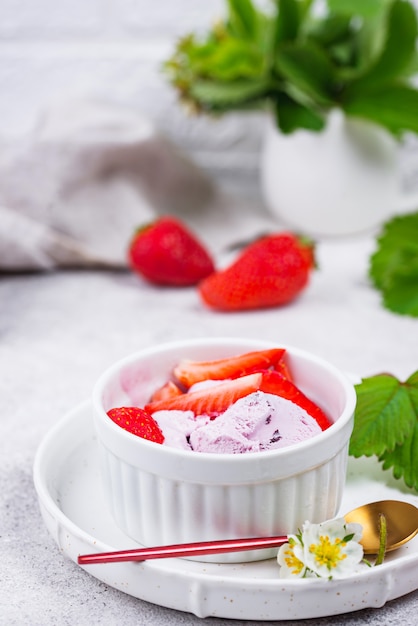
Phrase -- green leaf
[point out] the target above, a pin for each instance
(404, 460)
(393, 106)
(190, 59)
(308, 68)
(384, 416)
(399, 236)
(215, 96)
(242, 18)
(412, 385)
(233, 59)
(369, 42)
(386, 424)
(291, 115)
(393, 266)
(305, 7)
(329, 30)
(398, 48)
(351, 54)
(401, 293)
(362, 8)
(287, 21)
(412, 68)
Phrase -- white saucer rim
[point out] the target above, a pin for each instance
(53, 509)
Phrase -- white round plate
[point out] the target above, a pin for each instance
(67, 481)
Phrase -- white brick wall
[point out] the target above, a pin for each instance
(114, 48)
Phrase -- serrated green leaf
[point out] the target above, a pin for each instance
(384, 406)
(400, 293)
(392, 260)
(384, 416)
(401, 229)
(412, 385)
(403, 460)
(291, 115)
(393, 266)
(394, 107)
(308, 68)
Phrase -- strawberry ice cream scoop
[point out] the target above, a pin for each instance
(257, 422)
(177, 427)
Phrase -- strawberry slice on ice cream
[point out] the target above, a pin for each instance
(168, 390)
(274, 382)
(212, 400)
(215, 399)
(190, 372)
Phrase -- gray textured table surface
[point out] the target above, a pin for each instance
(58, 331)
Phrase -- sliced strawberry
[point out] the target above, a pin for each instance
(191, 372)
(213, 400)
(216, 399)
(274, 382)
(138, 422)
(283, 368)
(169, 390)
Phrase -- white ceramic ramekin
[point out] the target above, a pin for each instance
(161, 495)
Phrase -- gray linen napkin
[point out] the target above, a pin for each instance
(74, 189)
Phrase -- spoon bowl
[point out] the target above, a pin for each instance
(401, 522)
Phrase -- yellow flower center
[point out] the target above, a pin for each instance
(327, 553)
(292, 562)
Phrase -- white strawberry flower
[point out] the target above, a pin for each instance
(327, 550)
(290, 558)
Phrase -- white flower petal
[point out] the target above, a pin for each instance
(356, 530)
(290, 565)
(329, 550)
(325, 551)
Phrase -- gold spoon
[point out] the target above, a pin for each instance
(401, 524)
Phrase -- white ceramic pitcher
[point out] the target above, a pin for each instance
(343, 180)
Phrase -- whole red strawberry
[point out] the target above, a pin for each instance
(138, 422)
(165, 252)
(269, 272)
